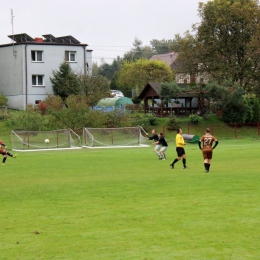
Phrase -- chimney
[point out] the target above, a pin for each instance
(38, 39)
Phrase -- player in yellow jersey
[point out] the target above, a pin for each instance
(180, 150)
(207, 149)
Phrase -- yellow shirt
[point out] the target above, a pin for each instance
(179, 141)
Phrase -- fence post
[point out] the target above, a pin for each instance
(235, 130)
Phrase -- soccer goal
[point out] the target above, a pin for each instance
(45, 140)
(114, 137)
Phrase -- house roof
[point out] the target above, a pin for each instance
(168, 58)
(48, 39)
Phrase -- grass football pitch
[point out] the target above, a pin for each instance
(126, 204)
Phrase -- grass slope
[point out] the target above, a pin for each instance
(126, 204)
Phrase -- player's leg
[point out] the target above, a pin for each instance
(206, 165)
(162, 152)
(179, 155)
(11, 155)
(156, 150)
(209, 159)
(205, 156)
(184, 161)
(4, 159)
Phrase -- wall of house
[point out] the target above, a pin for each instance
(89, 62)
(16, 72)
(53, 56)
(12, 71)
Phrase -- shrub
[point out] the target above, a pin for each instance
(172, 123)
(194, 118)
(236, 111)
(136, 100)
(3, 99)
(28, 120)
(42, 107)
(207, 115)
(152, 119)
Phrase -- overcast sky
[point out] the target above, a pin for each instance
(109, 27)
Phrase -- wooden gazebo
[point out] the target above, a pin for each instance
(186, 103)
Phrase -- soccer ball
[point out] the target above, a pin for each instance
(47, 141)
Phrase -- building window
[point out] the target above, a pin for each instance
(37, 56)
(70, 56)
(37, 102)
(37, 80)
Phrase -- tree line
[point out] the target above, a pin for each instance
(224, 46)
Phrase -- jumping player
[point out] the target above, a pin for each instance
(163, 144)
(157, 146)
(5, 152)
(207, 150)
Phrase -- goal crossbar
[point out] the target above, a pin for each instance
(124, 137)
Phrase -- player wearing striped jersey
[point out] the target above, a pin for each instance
(207, 149)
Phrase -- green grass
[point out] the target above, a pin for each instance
(126, 204)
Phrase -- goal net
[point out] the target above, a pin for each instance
(45, 140)
(114, 137)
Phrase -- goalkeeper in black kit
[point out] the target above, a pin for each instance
(163, 144)
(157, 146)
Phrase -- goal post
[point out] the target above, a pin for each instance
(45, 140)
(114, 137)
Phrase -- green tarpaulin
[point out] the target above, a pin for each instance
(114, 102)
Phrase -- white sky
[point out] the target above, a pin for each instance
(109, 27)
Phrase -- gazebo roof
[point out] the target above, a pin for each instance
(152, 90)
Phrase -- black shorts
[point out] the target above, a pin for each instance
(180, 151)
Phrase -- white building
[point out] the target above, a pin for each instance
(27, 64)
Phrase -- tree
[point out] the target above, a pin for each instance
(64, 81)
(138, 51)
(228, 41)
(229, 96)
(188, 59)
(95, 88)
(138, 74)
(95, 68)
(108, 70)
(169, 91)
(163, 46)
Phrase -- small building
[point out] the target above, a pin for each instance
(27, 64)
(186, 103)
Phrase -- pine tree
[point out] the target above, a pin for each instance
(64, 81)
